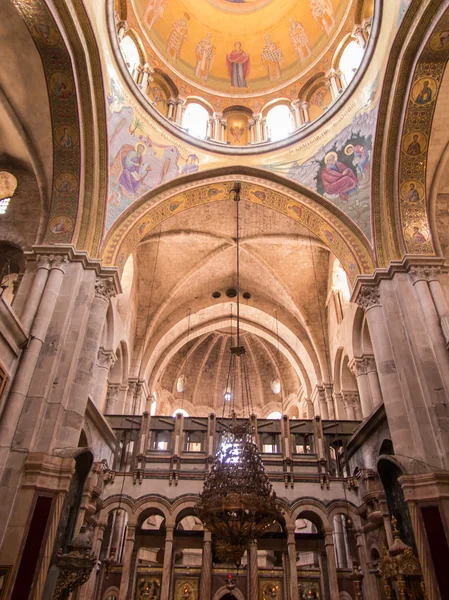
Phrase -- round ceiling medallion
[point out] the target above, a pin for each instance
(239, 6)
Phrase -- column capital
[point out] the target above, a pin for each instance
(358, 366)
(106, 358)
(351, 398)
(104, 288)
(424, 272)
(368, 297)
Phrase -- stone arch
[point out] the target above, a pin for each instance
(224, 590)
(111, 593)
(415, 46)
(344, 596)
(320, 216)
(149, 505)
(313, 511)
(345, 507)
(117, 503)
(182, 508)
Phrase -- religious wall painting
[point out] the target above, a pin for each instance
(414, 143)
(204, 54)
(238, 65)
(139, 160)
(412, 192)
(66, 136)
(237, 130)
(158, 97)
(177, 37)
(424, 91)
(272, 58)
(323, 13)
(46, 33)
(66, 183)
(417, 237)
(299, 40)
(295, 210)
(61, 224)
(148, 587)
(186, 588)
(341, 170)
(318, 101)
(177, 204)
(440, 41)
(61, 85)
(154, 11)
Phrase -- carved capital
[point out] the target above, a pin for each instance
(370, 364)
(351, 398)
(113, 389)
(104, 288)
(43, 261)
(368, 297)
(59, 261)
(106, 358)
(358, 367)
(424, 273)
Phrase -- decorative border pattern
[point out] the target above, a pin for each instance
(355, 256)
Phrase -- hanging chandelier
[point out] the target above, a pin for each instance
(238, 503)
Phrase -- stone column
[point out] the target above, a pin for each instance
(125, 581)
(146, 78)
(357, 34)
(331, 567)
(257, 128)
(369, 579)
(87, 591)
(43, 264)
(291, 549)
(305, 112)
(167, 568)
(105, 361)
(253, 572)
(333, 84)
(252, 137)
(297, 112)
(112, 407)
(206, 567)
(265, 132)
(210, 128)
(30, 355)
(373, 379)
(359, 367)
(340, 547)
(122, 28)
(328, 389)
(351, 402)
(178, 114)
(321, 397)
(171, 108)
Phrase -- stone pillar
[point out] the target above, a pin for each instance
(373, 379)
(332, 83)
(105, 361)
(87, 591)
(171, 109)
(112, 407)
(369, 579)
(253, 572)
(351, 402)
(305, 112)
(297, 113)
(359, 367)
(291, 549)
(24, 374)
(167, 568)
(252, 136)
(340, 547)
(206, 567)
(320, 400)
(257, 128)
(265, 132)
(357, 34)
(331, 567)
(125, 580)
(146, 78)
(328, 389)
(122, 28)
(34, 296)
(210, 128)
(178, 111)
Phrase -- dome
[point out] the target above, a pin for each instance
(239, 59)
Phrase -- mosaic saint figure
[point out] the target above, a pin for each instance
(154, 11)
(412, 195)
(417, 236)
(177, 36)
(204, 53)
(272, 59)
(323, 13)
(337, 178)
(238, 63)
(425, 95)
(299, 40)
(130, 160)
(414, 147)
(66, 140)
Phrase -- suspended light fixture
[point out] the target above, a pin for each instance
(238, 503)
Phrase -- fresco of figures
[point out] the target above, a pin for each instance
(177, 37)
(204, 53)
(272, 59)
(340, 170)
(138, 160)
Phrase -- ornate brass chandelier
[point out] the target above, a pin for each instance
(238, 503)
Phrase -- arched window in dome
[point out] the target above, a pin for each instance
(274, 415)
(350, 60)
(130, 54)
(180, 411)
(279, 121)
(195, 120)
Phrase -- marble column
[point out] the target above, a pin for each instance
(305, 112)
(332, 83)
(331, 566)
(167, 568)
(253, 572)
(206, 567)
(297, 113)
(359, 367)
(125, 580)
(291, 549)
(340, 547)
(328, 389)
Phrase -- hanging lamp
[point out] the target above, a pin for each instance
(238, 503)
